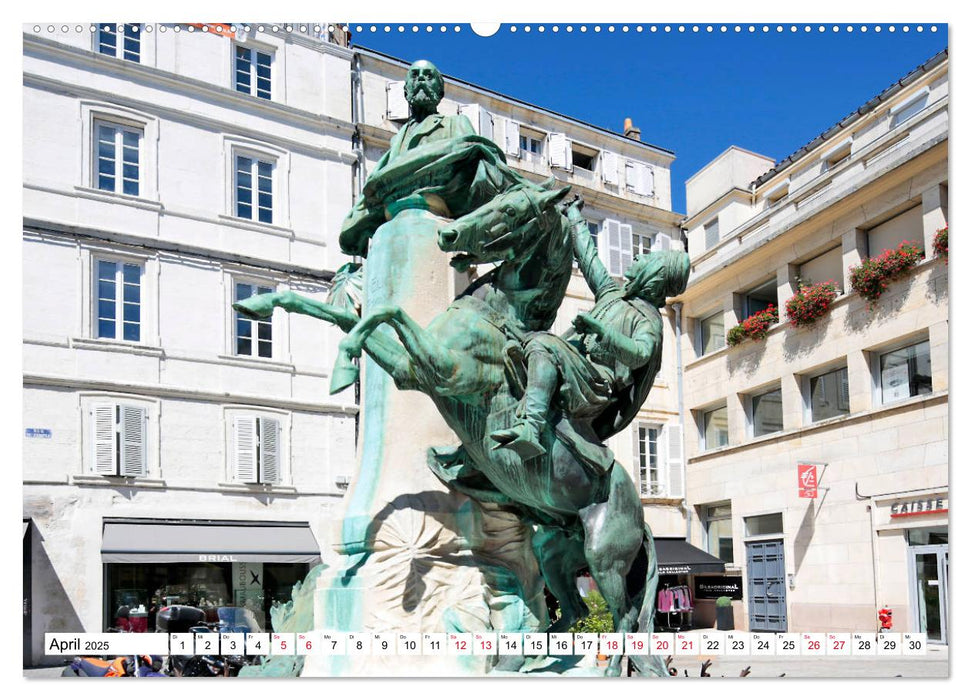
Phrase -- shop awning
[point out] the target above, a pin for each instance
(676, 556)
(152, 541)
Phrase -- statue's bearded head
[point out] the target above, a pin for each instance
(424, 86)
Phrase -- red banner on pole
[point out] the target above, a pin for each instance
(808, 481)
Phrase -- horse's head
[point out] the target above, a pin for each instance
(502, 228)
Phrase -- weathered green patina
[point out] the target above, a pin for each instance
(531, 410)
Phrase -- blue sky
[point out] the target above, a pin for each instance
(692, 93)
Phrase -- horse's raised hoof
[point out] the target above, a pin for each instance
(256, 307)
(521, 439)
(345, 373)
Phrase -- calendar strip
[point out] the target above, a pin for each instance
(701, 643)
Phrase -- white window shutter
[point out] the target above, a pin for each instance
(674, 459)
(559, 150)
(611, 249)
(640, 178)
(103, 426)
(133, 439)
(485, 124)
(512, 138)
(662, 241)
(472, 113)
(609, 168)
(269, 451)
(244, 449)
(397, 104)
(626, 247)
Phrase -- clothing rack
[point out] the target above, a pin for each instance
(679, 601)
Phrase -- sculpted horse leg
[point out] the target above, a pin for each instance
(434, 365)
(614, 532)
(560, 556)
(388, 354)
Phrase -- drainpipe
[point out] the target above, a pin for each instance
(359, 169)
(677, 306)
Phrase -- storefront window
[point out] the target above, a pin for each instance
(136, 592)
(718, 521)
(927, 535)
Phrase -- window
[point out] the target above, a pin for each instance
(253, 338)
(837, 154)
(823, 268)
(584, 159)
(905, 110)
(641, 244)
(119, 432)
(907, 226)
(711, 234)
(528, 143)
(256, 450)
(118, 300)
(117, 152)
(648, 468)
(252, 69)
(594, 233)
(126, 45)
(762, 525)
(906, 372)
(712, 333)
(714, 428)
(760, 298)
(767, 413)
(718, 532)
(829, 395)
(254, 176)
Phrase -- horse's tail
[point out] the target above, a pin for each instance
(649, 665)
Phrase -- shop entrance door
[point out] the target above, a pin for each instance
(928, 590)
(766, 586)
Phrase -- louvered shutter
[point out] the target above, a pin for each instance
(674, 459)
(512, 138)
(269, 451)
(559, 150)
(397, 104)
(244, 449)
(662, 241)
(626, 247)
(610, 250)
(133, 435)
(609, 168)
(103, 422)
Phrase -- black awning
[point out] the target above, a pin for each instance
(160, 542)
(676, 556)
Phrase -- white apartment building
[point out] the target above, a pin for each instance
(168, 443)
(174, 453)
(861, 395)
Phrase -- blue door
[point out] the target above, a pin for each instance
(766, 586)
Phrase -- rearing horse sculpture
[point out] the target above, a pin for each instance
(583, 503)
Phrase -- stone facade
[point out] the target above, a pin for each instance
(877, 178)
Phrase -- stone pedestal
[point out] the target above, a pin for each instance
(415, 557)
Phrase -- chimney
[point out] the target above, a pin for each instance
(631, 131)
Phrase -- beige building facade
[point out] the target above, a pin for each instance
(861, 396)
